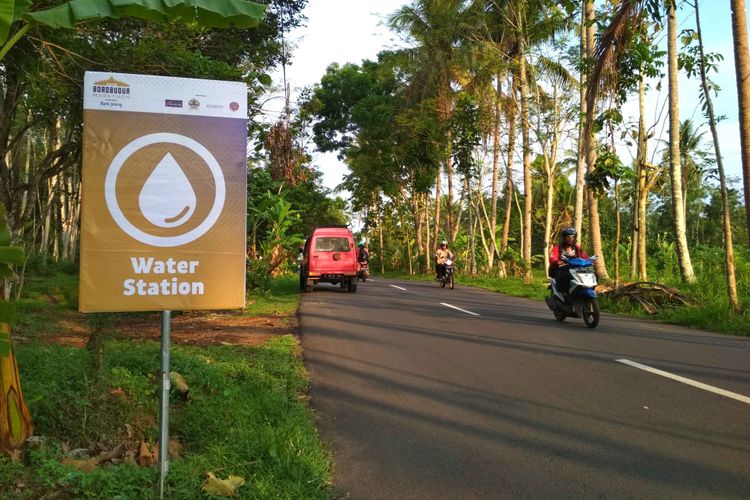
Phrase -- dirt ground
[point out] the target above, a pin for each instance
(193, 328)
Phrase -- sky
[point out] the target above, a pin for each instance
(344, 31)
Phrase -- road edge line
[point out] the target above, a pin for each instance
(684, 380)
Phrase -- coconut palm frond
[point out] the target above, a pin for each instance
(557, 72)
(610, 51)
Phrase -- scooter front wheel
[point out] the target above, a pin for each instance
(450, 282)
(590, 313)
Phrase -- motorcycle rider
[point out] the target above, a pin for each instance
(363, 256)
(442, 254)
(566, 249)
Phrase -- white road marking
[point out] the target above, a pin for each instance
(699, 385)
(459, 309)
(394, 286)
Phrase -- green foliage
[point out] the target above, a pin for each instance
(257, 279)
(207, 13)
(282, 298)
(466, 135)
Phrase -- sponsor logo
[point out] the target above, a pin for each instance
(194, 103)
(214, 106)
(234, 106)
(173, 103)
(111, 88)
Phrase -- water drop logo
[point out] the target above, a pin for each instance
(167, 198)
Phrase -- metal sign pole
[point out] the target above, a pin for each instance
(164, 415)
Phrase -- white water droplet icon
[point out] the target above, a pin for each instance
(167, 198)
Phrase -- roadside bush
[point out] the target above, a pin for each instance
(258, 279)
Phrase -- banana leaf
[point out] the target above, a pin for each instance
(206, 13)
(11, 11)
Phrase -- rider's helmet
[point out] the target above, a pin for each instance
(568, 231)
(443, 243)
(361, 244)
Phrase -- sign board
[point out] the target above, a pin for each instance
(163, 221)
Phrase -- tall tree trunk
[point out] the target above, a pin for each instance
(427, 246)
(590, 143)
(521, 222)
(449, 208)
(495, 174)
(527, 190)
(472, 261)
(417, 217)
(617, 234)
(437, 208)
(643, 190)
(683, 254)
(511, 117)
(729, 268)
(380, 237)
(581, 146)
(742, 68)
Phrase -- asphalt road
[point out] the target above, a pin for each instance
(421, 400)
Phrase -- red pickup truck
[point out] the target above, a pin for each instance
(329, 256)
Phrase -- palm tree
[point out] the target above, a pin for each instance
(612, 45)
(725, 219)
(680, 233)
(589, 145)
(437, 26)
(742, 69)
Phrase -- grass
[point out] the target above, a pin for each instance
(247, 414)
(282, 299)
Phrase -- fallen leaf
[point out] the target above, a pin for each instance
(223, 487)
(146, 457)
(178, 382)
(117, 392)
(175, 449)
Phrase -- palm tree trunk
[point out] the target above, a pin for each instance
(742, 68)
(527, 191)
(495, 174)
(581, 156)
(683, 254)
(642, 180)
(380, 237)
(427, 246)
(590, 144)
(511, 117)
(437, 208)
(729, 266)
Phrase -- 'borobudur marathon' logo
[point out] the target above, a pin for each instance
(111, 88)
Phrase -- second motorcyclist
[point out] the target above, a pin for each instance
(442, 254)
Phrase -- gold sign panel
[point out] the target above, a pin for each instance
(164, 194)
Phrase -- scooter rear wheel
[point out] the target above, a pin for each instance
(559, 316)
(590, 313)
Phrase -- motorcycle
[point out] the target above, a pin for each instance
(364, 271)
(581, 301)
(447, 277)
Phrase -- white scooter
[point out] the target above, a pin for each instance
(581, 301)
